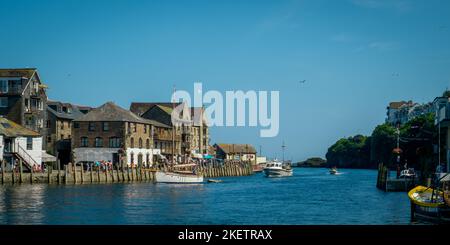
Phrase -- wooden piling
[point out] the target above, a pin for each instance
(3, 171)
(58, 162)
(98, 174)
(49, 179)
(91, 172)
(82, 173)
(66, 173)
(74, 167)
(20, 171)
(31, 175)
(106, 174)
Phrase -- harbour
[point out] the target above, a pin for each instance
(310, 196)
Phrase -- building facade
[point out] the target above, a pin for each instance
(399, 113)
(59, 128)
(442, 120)
(240, 152)
(192, 133)
(112, 134)
(23, 99)
(18, 143)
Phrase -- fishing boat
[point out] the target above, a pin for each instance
(333, 170)
(278, 169)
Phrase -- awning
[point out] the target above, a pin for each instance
(47, 157)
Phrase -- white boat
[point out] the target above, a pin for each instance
(407, 173)
(277, 169)
(178, 177)
(333, 171)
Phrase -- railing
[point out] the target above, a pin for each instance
(24, 155)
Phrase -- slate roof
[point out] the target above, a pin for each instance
(237, 148)
(9, 128)
(140, 108)
(110, 112)
(74, 114)
(21, 72)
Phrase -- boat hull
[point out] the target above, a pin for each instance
(177, 178)
(278, 172)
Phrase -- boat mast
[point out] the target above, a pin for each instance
(283, 147)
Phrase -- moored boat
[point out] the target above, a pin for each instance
(179, 177)
(428, 204)
(278, 169)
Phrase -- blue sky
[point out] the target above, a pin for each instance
(90, 52)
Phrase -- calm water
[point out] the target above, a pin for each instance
(311, 196)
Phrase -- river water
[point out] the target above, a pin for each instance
(311, 196)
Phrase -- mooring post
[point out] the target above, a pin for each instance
(31, 175)
(91, 172)
(98, 174)
(3, 171)
(82, 172)
(58, 163)
(20, 171)
(66, 173)
(49, 179)
(74, 173)
(106, 173)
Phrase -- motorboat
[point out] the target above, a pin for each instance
(407, 173)
(278, 169)
(333, 170)
(427, 204)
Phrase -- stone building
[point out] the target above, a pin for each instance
(59, 128)
(110, 133)
(242, 152)
(442, 120)
(23, 99)
(193, 132)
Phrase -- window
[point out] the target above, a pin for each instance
(91, 126)
(48, 124)
(84, 142)
(98, 142)
(3, 101)
(140, 143)
(76, 125)
(147, 144)
(3, 86)
(132, 157)
(40, 123)
(115, 142)
(105, 126)
(132, 142)
(49, 139)
(29, 143)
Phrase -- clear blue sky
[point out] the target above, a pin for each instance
(89, 52)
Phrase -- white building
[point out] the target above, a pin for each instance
(442, 120)
(19, 143)
(401, 112)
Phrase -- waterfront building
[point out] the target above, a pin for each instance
(110, 133)
(241, 152)
(59, 128)
(442, 120)
(18, 143)
(23, 99)
(192, 137)
(402, 111)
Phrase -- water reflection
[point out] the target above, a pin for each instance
(309, 197)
